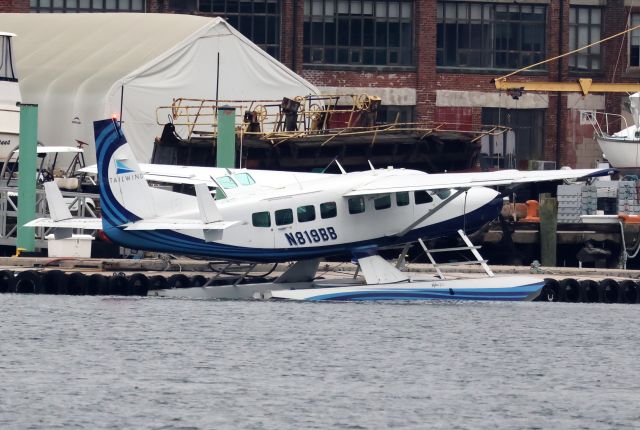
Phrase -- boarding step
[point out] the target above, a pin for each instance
(469, 247)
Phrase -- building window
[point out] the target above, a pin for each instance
(258, 20)
(584, 29)
(488, 35)
(395, 113)
(634, 51)
(358, 32)
(68, 6)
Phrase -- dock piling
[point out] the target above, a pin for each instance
(548, 229)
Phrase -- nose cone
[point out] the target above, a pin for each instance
(483, 206)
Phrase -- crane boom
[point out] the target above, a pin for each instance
(583, 85)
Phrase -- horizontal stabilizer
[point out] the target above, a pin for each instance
(376, 270)
(178, 224)
(83, 223)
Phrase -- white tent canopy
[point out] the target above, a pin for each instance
(83, 67)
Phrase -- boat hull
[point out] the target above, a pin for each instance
(622, 153)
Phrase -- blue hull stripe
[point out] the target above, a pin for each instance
(494, 294)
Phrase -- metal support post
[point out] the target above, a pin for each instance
(27, 176)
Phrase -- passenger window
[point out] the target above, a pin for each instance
(226, 182)
(284, 217)
(328, 210)
(306, 213)
(443, 194)
(261, 219)
(244, 179)
(422, 197)
(402, 199)
(383, 202)
(356, 205)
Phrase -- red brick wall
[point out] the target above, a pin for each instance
(373, 79)
(456, 118)
(14, 6)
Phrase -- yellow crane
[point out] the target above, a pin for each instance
(583, 85)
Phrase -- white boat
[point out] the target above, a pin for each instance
(10, 98)
(621, 149)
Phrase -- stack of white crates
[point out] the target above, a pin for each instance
(576, 200)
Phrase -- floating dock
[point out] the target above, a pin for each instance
(126, 277)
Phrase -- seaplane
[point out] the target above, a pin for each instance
(266, 216)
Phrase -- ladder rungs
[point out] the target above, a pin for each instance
(462, 263)
(459, 248)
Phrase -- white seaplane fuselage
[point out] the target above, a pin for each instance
(310, 218)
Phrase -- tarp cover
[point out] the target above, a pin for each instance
(82, 67)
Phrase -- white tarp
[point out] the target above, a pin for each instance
(83, 67)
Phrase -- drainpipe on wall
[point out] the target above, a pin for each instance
(559, 94)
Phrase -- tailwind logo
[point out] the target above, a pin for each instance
(122, 168)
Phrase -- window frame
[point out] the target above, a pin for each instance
(37, 6)
(404, 203)
(246, 21)
(253, 219)
(421, 201)
(350, 33)
(331, 214)
(311, 216)
(386, 202)
(354, 211)
(634, 34)
(280, 222)
(574, 33)
(486, 56)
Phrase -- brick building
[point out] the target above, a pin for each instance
(433, 60)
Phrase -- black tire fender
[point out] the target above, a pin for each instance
(139, 284)
(608, 290)
(7, 281)
(29, 282)
(77, 284)
(569, 290)
(178, 281)
(97, 285)
(55, 282)
(589, 291)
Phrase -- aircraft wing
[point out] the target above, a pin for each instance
(84, 223)
(178, 224)
(421, 181)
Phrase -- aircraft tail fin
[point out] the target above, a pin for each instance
(207, 205)
(58, 209)
(124, 193)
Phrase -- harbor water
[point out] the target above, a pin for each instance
(147, 363)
